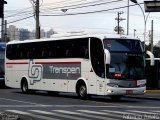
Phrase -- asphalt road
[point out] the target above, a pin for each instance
(40, 106)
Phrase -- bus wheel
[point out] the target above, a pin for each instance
(116, 97)
(82, 91)
(24, 86)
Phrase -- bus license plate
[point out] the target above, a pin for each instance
(129, 92)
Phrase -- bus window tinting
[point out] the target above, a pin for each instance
(127, 60)
(114, 45)
(49, 49)
(97, 57)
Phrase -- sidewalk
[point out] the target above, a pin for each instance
(150, 94)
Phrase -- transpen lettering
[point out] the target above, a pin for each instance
(64, 70)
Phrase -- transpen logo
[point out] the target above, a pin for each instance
(34, 72)
(68, 70)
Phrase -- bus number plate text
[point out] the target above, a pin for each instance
(129, 92)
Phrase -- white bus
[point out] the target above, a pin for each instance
(82, 64)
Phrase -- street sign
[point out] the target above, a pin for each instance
(152, 6)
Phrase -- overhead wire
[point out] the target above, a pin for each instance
(20, 19)
(83, 5)
(64, 2)
(89, 12)
(24, 12)
(82, 13)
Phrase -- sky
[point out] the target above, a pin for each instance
(52, 16)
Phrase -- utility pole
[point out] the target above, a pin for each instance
(128, 18)
(119, 29)
(152, 36)
(2, 29)
(118, 21)
(5, 31)
(2, 2)
(37, 20)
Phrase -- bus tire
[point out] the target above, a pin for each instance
(82, 91)
(24, 86)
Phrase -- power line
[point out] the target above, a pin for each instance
(20, 19)
(16, 10)
(64, 2)
(82, 5)
(22, 14)
(90, 12)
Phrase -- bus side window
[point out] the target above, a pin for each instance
(50, 54)
(85, 52)
(97, 57)
(67, 53)
(44, 54)
(9, 54)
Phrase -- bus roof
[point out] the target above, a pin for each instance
(74, 36)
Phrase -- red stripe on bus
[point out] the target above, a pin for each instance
(21, 63)
(57, 62)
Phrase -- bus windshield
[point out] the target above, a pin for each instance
(127, 59)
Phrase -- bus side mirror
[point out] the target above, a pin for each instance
(107, 56)
(151, 57)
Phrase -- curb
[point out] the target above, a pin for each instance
(152, 91)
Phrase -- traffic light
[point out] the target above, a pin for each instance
(2, 2)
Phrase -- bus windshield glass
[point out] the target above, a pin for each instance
(127, 59)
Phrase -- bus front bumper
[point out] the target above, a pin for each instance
(125, 91)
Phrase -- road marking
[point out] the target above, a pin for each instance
(58, 115)
(108, 116)
(20, 106)
(31, 115)
(92, 112)
(67, 112)
(83, 115)
(73, 106)
(19, 101)
(42, 112)
(117, 112)
(156, 111)
(140, 112)
(96, 106)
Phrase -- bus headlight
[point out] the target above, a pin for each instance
(109, 91)
(112, 85)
